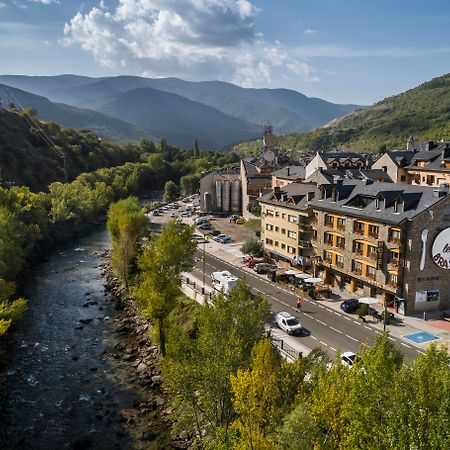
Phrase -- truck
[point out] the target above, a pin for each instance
(224, 281)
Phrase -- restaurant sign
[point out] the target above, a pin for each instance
(441, 249)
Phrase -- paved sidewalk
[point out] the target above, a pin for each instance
(434, 328)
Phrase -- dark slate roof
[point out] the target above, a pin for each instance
(416, 199)
(434, 153)
(290, 172)
(296, 191)
(343, 156)
(331, 175)
(250, 169)
(402, 155)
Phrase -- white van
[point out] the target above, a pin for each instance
(202, 219)
(224, 281)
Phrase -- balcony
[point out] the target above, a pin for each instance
(393, 264)
(371, 276)
(393, 240)
(357, 271)
(393, 284)
(358, 251)
(339, 264)
(373, 234)
(372, 256)
(340, 226)
(304, 243)
(358, 231)
(328, 260)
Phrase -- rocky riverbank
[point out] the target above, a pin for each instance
(150, 420)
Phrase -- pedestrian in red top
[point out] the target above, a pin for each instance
(299, 304)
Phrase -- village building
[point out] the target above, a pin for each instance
(331, 176)
(287, 175)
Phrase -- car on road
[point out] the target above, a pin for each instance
(288, 323)
(204, 226)
(186, 214)
(264, 267)
(223, 238)
(348, 359)
(350, 306)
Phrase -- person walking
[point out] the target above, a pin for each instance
(299, 304)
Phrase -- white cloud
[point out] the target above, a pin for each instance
(45, 2)
(311, 31)
(194, 39)
(2, 4)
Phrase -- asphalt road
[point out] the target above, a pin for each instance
(332, 330)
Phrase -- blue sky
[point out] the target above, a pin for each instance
(346, 51)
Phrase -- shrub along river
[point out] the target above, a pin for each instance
(67, 384)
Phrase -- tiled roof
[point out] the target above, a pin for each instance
(416, 199)
(296, 191)
(290, 172)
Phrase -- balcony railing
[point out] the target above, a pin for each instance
(395, 240)
(357, 271)
(372, 255)
(393, 284)
(358, 231)
(371, 276)
(339, 264)
(358, 251)
(328, 260)
(373, 234)
(304, 243)
(340, 226)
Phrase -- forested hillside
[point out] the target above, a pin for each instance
(423, 111)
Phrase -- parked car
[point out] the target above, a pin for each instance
(240, 221)
(350, 306)
(288, 323)
(186, 214)
(252, 261)
(204, 226)
(234, 217)
(214, 233)
(223, 238)
(348, 359)
(264, 267)
(202, 219)
(200, 238)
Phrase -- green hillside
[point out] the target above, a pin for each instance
(27, 158)
(423, 111)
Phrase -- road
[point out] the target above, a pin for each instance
(332, 330)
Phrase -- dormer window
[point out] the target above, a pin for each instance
(334, 195)
(379, 202)
(398, 205)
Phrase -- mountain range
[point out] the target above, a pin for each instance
(423, 112)
(216, 113)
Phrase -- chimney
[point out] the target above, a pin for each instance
(276, 190)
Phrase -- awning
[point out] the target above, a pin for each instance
(368, 300)
(302, 276)
(313, 280)
(291, 272)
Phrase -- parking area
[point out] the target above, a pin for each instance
(238, 233)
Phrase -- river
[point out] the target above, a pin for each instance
(61, 388)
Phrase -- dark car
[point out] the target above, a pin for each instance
(214, 233)
(350, 306)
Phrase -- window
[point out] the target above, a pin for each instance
(359, 285)
(292, 234)
(269, 212)
(292, 219)
(340, 223)
(328, 256)
(395, 235)
(283, 246)
(276, 244)
(283, 216)
(291, 249)
(328, 238)
(373, 231)
(340, 242)
(357, 267)
(269, 241)
(269, 227)
(371, 251)
(283, 231)
(403, 178)
(339, 261)
(329, 221)
(358, 247)
(377, 204)
(277, 214)
(392, 279)
(358, 227)
(277, 229)
(371, 272)
(384, 168)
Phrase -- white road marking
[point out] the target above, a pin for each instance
(332, 348)
(338, 314)
(348, 318)
(351, 337)
(314, 337)
(391, 338)
(323, 323)
(335, 329)
(321, 306)
(405, 345)
(307, 315)
(422, 353)
(368, 328)
(324, 343)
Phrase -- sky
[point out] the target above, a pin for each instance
(344, 51)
